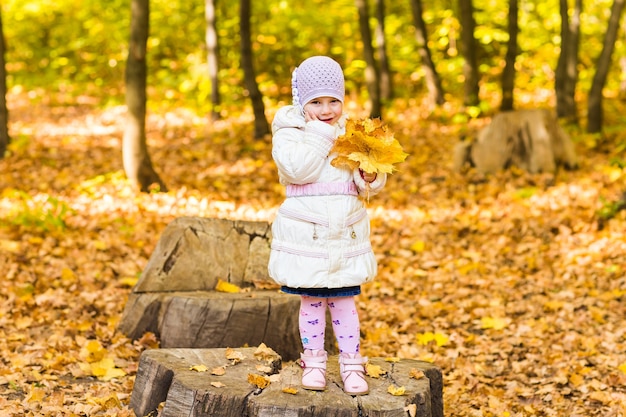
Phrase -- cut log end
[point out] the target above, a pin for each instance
(204, 251)
(251, 387)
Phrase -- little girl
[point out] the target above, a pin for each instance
(320, 247)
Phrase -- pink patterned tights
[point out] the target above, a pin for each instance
(345, 320)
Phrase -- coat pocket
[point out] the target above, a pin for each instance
(301, 227)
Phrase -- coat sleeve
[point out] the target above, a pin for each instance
(300, 153)
(374, 187)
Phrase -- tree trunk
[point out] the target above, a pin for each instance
(567, 67)
(468, 48)
(212, 46)
(530, 139)
(561, 66)
(386, 84)
(4, 113)
(622, 84)
(508, 74)
(433, 82)
(594, 116)
(261, 127)
(137, 163)
(372, 74)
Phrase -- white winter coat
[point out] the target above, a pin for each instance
(319, 241)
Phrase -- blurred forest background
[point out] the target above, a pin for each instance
(80, 49)
(514, 283)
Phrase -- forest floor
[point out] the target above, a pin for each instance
(512, 284)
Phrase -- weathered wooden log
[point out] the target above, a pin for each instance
(212, 319)
(165, 376)
(175, 297)
(531, 140)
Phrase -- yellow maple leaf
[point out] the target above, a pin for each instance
(129, 281)
(36, 395)
(368, 145)
(622, 367)
(576, 379)
(106, 370)
(93, 351)
(553, 305)
(260, 381)
(219, 371)
(290, 390)
(100, 245)
(263, 368)
(393, 390)
(597, 314)
(374, 371)
(601, 397)
(234, 356)
(495, 323)
(149, 340)
(108, 403)
(223, 286)
(424, 339)
(265, 353)
(68, 276)
(199, 368)
(23, 322)
(418, 246)
(441, 339)
(416, 373)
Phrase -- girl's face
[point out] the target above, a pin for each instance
(325, 109)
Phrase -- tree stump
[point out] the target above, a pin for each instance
(193, 253)
(531, 140)
(165, 375)
(176, 298)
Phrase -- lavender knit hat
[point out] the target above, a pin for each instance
(318, 76)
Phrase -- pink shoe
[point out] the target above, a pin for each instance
(353, 373)
(313, 363)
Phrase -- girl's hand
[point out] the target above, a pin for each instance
(368, 177)
(309, 116)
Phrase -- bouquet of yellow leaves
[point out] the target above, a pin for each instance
(368, 145)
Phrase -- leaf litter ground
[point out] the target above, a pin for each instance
(506, 282)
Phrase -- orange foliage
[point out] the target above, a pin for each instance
(505, 282)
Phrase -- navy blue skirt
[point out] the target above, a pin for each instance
(323, 292)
